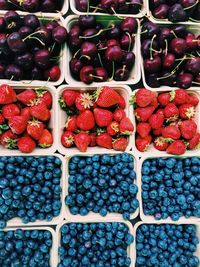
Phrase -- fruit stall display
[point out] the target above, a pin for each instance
(102, 169)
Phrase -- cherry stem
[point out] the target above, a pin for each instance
(32, 34)
(192, 56)
(130, 41)
(198, 53)
(76, 53)
(119, 17)
(14, 4)
(129, 3)
(98, 33)
(195, 20)
(178, 59)
(96, 8)
(38, 40)
(144, 32)
(104, 48)
(174, 34)
(95, 76)
(100, 60)
(151, 54)
(166, 47)
(89, 58)
(196, 83)
(186, 8)
(113, 71)
(52, 48)
(88, 7)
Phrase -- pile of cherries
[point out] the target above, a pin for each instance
(32, 6)
(176, 11)
(110, 6)
(30, 48)
(171, 55)
(102, 53)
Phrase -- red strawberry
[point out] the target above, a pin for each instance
(180, 97)
(107, 97)
(188, 129)
(156, 121)
(113, 128)
(9, 139)
(18, 124)
(176, 148)
(157, 132)
(171, 131)
(122, 102)
(102, 117)
(83, 101)
(104, 140)
(160, 143)
(171, 111)
(10, 110)
(194, 141)
(27, 96)
(68, 97)
(126, 126)
(160, 111)
(154, 102)
(142, 144)
(165, 98)
(7, 94)
(45, 97)
(85, 120)
(143, 97)
(1, 119)
(35, 129)
(187, 111)
(82, 141)
(92, 140)
(46, 139)
(40, 112)
(67, 139)
(143, 129)
(26, 112)
(120, 144)
(71, 124)
(143, 114)
(119, 114)
(26, 144)
(192, 99)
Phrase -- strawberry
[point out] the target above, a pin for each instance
(68, 98)
(157, 132)
(143, 129)
(188, 129)
(104, 140)
(194, 141)
(85, 120)
(40, 112)
(83, 101)
(35, 129)
(143, 114)
(7, 94)
(27, 97)
(26, 144)
(156, 121)
(187, 111)
(165, 98)
(26, 113)
(18, 124)
(45, 97)
(120, 144)
(122, 102)
(10, 110)
(192, 99)
(171, 131)
(160, 111)
(119, 114)
(107, 97)
(154, 102)
(102, 117)
(126, 126)
(46, 139)
(67, 139)
(171, 112)
(143, 97)
(176, 148)
(180, 97)
(142, 144)
(71, 124)
(92, 140)
(113, 128)
(82, 141)
(160, 143)
(1, 119)
(9, 140)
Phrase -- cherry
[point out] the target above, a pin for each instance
(88, 49)
(2, 70)
(24, 31)
(2, 24)
(121, 74)
(187, 3)
(180, 30)
(42, 59)
(81, 5)
(168, 61)
(152, 80)
(53, 73)
(149, 29)
(127, 42)
(75, 67)
(169, 78)
(25, 61)
(129, 24)
(15, 43)
(13, 72)
(47, 5)
(156, 3)
(86, 74)
(100, 74)
(165, 35)
(36, 74)
(31, 5)
(145, 47)
(91, 32)
(74, 39)
(184, 80)
(114, 33)
(31, 21)
(161, 11)
(59, 34)
(112, 42)
(135, 6)
(86, 22)
(177, 13)
(109, 5)
(44, 35)
(3, 5)
(51, 25)
(193, 65)
(12, 20)
(178, 46)
(114, 53)
(197, 78)
(152, 65)
(128, 59)
(190, 41)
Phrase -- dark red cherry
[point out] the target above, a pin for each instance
(193, 65)
(191, 41)
(91, 32)
(31, 21)
(2, 24)
(88, 49)
(197, 78)
(168, 61)
(184, 80)
(25, 61)
(121, 74)
(51, 25)
(74, 39)
(165, 35)
(156, 3)
(81, 5)
(48, 5)
(161, 11)
(129, 24)
(36, 74)
(114, 53)
(100, 74)
(128, 59)
(109, 5)
(42, 59)
(86, 74)
(122, 7)
(3, 5)
(180, 30)
(170, 79)
(145, 47)
(149, 29)
(12, 20)
(135, 6)
(15, 43)
(75, 67)
(114, 33)
(24, 31)
(178, 46)
(13, 72)
(196, 13)
(177, 13)
(152, 65)
(127, 42)
(59, 34)
(44, 35)
(31, 5)
(86, 21)
(112, 42)
(187, 3)
(152, 80)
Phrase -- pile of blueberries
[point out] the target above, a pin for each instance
(166, 245)
(102, 184)
(25, 248)
(171, 187)
(30, 188)
(94, 244)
